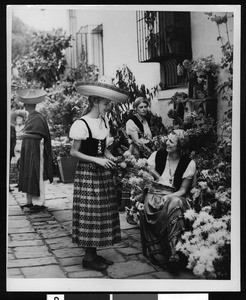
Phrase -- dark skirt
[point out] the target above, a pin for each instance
(161, 229)
(95, 209)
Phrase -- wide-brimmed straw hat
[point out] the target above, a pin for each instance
(31, 96)
(104, 88)
(17, 113)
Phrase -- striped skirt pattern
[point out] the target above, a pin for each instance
(95, 209)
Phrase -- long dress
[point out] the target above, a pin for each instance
(30, 175)
(162, 228)
(95, 209)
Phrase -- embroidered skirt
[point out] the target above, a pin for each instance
(95, 209)
(161, 229)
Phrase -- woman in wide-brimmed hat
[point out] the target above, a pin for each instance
(36, 158)
(95, 209)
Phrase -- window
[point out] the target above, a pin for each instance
(164, 37)
(89, 41)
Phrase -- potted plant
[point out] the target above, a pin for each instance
(63, 163)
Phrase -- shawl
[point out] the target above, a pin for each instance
(30, 154)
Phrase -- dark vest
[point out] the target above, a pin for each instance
(160, 162)
(92, 146)
(139, 124)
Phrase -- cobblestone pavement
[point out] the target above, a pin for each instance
(40, 244)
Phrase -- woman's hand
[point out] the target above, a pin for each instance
(165, 198)
(105, 162)
(112, 158)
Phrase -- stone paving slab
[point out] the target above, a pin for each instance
(129, 251)
(70, 261)
(14, 223)
(86, 274)
(15, 211)
(128, 269)
(68, 252)
(18, 243)
(58, 204)
(21, 230)
(32, 252)
(24, 236)
(112, 254)
(11, 256)
(16, 218)
(30, 262)
(49, 233)
(62, 216)
(43, 272)
(61, 244)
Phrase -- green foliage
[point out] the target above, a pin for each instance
(83, 72)
(62, 109)
(225, 89)
(46, 61)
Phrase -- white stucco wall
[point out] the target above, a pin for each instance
(120, 47)
(120, 43)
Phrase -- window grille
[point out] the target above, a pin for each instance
(164, 37)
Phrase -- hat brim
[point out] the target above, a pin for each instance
(31, 96)
(102, 90)
(32, 100)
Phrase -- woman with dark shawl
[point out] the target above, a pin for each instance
(36, 154)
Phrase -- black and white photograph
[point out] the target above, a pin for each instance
(123, 148)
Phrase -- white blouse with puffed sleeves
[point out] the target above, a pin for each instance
(189, 173)
(79, 130)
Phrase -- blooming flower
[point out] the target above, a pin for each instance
(206, 241)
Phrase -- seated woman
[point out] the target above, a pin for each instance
(161, 221)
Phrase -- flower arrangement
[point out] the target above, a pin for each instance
(207, 244)
(138, 176)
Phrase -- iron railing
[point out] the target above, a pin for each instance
(164, 37)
